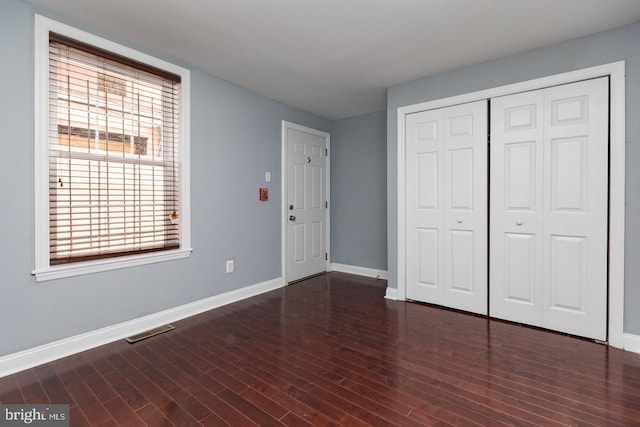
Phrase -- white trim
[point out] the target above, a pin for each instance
(283, 208)
(392, 294)
(632, 343)
(43, 270)
(616, 72)
(284, 212)
(617, 202)
(401, 288)
(327, 195)
(49, 352)
(69, 270)
(360, 271)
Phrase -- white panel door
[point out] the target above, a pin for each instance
(576, 208)
(549, 196)
(516, 208)
(424, 178)
(446, 168)
(306, 203)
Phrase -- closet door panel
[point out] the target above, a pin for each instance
(446, 184)
(424, 178)
(576, 208)
(516, 208)
(465, 207)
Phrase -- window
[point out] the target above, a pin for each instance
(112, 155)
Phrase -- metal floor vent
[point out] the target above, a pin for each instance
(148, 334)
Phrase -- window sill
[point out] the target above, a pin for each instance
(70, 270)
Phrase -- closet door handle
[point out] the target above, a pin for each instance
(459, 220)
(519, 222)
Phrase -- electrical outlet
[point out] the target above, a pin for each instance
(229, 266)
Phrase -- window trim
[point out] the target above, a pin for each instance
(43, 270)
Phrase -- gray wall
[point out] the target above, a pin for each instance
(596, 49)
(235, 138)
(358, 191)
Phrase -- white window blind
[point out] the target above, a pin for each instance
(114, 154)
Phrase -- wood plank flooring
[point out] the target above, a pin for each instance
(332, 351)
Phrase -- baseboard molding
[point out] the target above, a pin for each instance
(56, 350)
(360, 271)
(392, 293)
(632, 343)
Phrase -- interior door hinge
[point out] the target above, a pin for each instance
(326, 257)
(326, 204)
(326, 152)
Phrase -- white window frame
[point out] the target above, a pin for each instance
(43, 270)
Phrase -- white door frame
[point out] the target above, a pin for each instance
(616, 72)
(284, 208)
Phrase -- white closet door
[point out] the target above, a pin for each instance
(576, 208)
(549, 195)
(516, 208)
(446, 168)
(424, 186)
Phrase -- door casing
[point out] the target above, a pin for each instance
(616, 73)
(284, 208)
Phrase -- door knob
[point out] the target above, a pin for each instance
(519, 223)
(292, 217)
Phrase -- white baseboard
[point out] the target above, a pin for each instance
(392, 293)
(56, 350)
(632, 343)
(360, 271)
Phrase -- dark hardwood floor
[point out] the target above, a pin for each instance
(332, 351)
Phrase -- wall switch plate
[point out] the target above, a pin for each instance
(267, 176)
(229, 266)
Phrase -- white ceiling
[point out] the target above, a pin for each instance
(336, 58)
